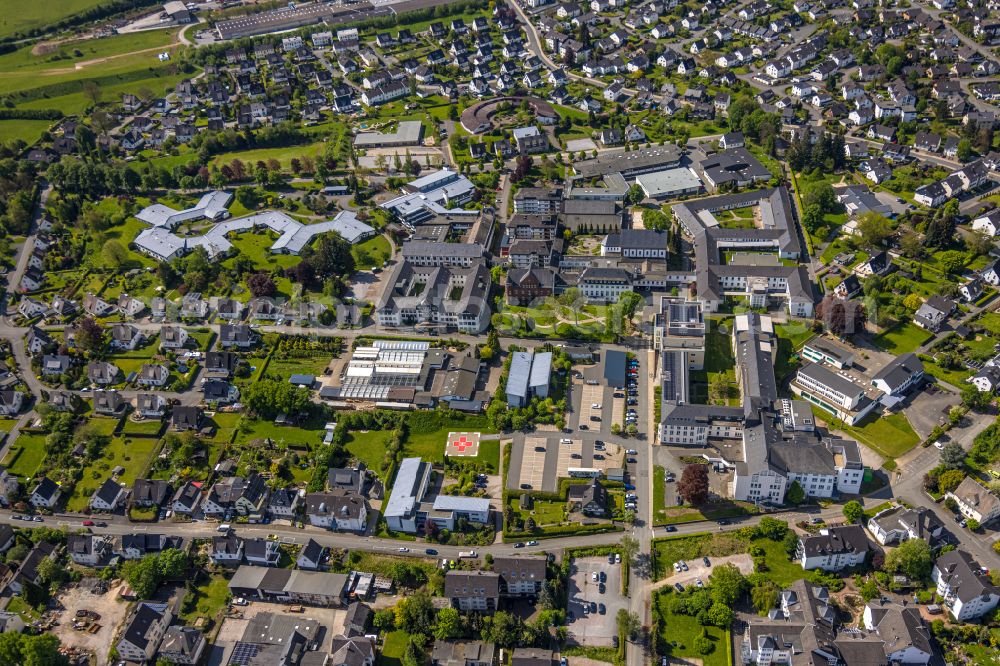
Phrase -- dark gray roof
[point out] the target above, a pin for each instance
(836, 540)
(962, 575)
(469, 584)
(899, 370)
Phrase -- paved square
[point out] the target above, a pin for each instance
(462, 444)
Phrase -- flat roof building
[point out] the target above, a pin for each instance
(670, 183)
(407, 133)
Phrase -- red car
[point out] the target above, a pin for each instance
(88, 523)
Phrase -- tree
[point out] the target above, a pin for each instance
(173, 564)
(911, 245)
(415, 613)
(693, 486)
(449, 624)
(24, 650)
(874, 228)
(720, 615)
(384, 619)
(868, 589)
(269, 397)
(975, 399)
(953, 455)
(853, 511)
(628, 623)
(841, 317)
(143, 576)
(506, 630)
(949, 480)
(629, 546)
(764, 596)
(972, 524)
(114, 253)
(726, 584)
(912, 558)
(90, 336)
(952, 261)
(963, 151)
(261, 284)
(92, 91)
(795, 494)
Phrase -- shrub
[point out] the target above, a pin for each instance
(704, 645)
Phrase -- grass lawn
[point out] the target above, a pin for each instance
(144, 428)
(779, 568)
(20, 606)
(211, 597)
(659, 495)
(283, 154)
(25, 455)
(429, 445)
(674, 515)
(797, 334)
(956, 378)
(544, 512)
(102, 425)
(28, 131)
(7, 424)
(902, 338)
(132, 456)
(393, 649)
(372, 252)
(368, 447)
(306, 365)
(256, 246)
(683, 630)
(890, 434)
(719, 363)
(311, 435)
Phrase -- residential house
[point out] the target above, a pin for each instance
(964, 586)
(109, 496)
(975, 501)
(45, 495)
(337, 510)
(144, 631)
(473, 590)
(833, 549)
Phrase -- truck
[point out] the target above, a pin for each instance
(471, 554)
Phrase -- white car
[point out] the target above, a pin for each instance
(699, 583)
(404, 549)
(939, 444)
(593, 576)
(677, 567)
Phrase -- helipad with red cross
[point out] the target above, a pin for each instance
(462, 444)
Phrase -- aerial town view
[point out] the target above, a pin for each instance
(499, 332)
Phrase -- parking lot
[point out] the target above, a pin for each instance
(697, 569)
(591, 395)
(594, 628)
(539, 462)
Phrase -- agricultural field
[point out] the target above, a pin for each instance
(20, 16)
(28, 131)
